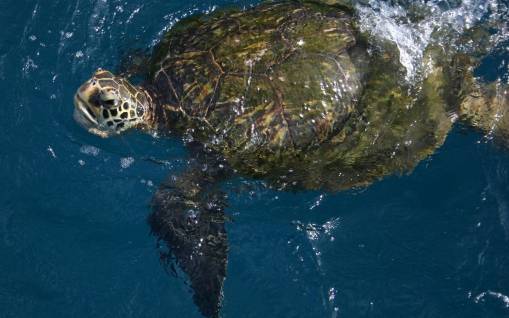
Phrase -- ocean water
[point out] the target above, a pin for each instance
(74, 241)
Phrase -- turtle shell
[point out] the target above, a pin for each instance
(292, 93)
(280, 76)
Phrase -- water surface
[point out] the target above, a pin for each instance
(73, 235)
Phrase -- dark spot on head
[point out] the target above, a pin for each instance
(121, 125)
(124, 115)
(114, 112)
(125, 106)
(106, 115)
(110, 123)
(108, 103)
(95, 99)
(132, 113)
(117, 120)
(139, 111)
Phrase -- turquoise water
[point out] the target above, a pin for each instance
(73, 235)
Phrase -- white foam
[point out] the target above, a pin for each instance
(316, 232)
(51, 152)
(89, 150)
(126, 162)
(317, 202)
(391, 22)
(496, 295)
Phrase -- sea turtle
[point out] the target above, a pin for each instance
(291, 92)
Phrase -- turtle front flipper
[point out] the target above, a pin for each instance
(188, 215)
(486, 108)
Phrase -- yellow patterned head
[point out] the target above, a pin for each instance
(107, 105)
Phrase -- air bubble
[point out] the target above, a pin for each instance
(126, 162)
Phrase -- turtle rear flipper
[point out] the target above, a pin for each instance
(486, 108)
(188, 215)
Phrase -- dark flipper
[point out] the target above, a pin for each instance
(188, 215)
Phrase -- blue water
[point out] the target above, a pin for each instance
(73, 235)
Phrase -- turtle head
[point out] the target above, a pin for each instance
(108, 105)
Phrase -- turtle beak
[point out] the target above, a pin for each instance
(82, 113)
(85, 120)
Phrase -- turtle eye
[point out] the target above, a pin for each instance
(109, 98)
(109, 103)
(95, 100)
